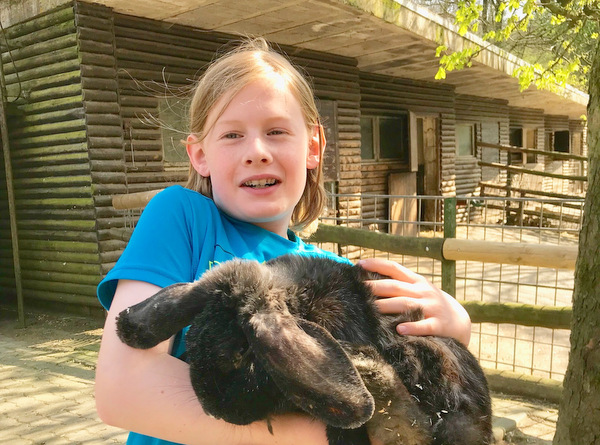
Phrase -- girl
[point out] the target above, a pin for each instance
(255, 149)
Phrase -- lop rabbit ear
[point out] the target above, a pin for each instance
(161, 316)
(311, 368)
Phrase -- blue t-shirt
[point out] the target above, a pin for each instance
(179, 236)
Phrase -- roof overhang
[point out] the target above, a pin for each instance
(392, 37)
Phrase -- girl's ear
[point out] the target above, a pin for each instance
(195, 151)
(316, 147)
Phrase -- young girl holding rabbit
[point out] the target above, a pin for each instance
(255, 150)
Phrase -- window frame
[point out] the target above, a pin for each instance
(404, 140)
(472, 153)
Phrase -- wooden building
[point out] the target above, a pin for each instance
(97, 93)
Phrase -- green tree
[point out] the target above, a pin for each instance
(573, 56)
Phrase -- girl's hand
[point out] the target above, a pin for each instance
(406, 290)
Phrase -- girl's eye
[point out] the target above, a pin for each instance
(276, 132)
(231, 136)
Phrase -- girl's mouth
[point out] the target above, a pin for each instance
(260, 183)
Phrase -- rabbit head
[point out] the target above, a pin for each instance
(249, 356)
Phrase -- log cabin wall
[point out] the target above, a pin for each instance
(490, 118)
(95, 31)
(384, 95)
(55, 209)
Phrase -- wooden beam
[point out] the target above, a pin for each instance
(11, 200)
(524, 254)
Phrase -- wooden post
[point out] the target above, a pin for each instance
(11, 199)
(449, 266)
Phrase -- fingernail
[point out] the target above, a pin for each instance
(401, 329)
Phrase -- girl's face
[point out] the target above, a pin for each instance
(256, 154)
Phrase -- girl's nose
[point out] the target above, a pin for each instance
(257, 153)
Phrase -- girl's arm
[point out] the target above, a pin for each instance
(149, 391)
(443, 315)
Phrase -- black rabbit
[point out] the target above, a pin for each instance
(303, 333)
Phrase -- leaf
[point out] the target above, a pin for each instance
(441, 73)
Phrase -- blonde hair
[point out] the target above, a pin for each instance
(255, 60)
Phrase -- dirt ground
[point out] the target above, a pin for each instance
(66, 346)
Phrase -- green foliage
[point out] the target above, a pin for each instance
(561, 36)
(456, 60)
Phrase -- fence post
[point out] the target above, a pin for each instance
(449, 266)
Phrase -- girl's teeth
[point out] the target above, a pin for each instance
(260, 183)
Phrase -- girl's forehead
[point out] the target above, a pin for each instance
(257, 92)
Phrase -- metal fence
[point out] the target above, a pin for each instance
(536, 351)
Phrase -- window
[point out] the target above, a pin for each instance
(561, 141)
(465, 140)
(384, 138)
(525, 138)
(515, 139)
(173, 119)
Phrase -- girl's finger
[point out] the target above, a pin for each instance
(390, 269)
(426, 326)
(391, 288)
(396, 305)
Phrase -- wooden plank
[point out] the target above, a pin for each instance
(513, 169)
(537, 255)
(554, 155)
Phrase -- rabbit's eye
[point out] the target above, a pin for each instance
(240, 357)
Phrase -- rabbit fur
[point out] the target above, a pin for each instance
(303, 333)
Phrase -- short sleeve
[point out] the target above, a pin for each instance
(160, 250)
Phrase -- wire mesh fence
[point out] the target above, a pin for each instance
(536, 351)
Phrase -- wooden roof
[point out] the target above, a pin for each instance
(392, 37)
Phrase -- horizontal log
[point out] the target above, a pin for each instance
(49, 150)
(62, 277)
(549, 154)
(64, 170)
(41, 60)
(61, 297)
(45, 21)
(48, 129)
(53, 181)
(63, 103)
(513, 169)
(52, 223)
(55, 92)
(421, 247)
(524, 385)
(59, 235)
(45, 70)
(42, 34)
(122, 234)
(524, 191)
(42, 47)
(48, 117)
(105, 60)
(551, 317)
(63, 203)
(63, 78)
(61, 266)
(66, 257)
(133, 200)
(537, 255)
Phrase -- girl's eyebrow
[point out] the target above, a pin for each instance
(230, 122)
